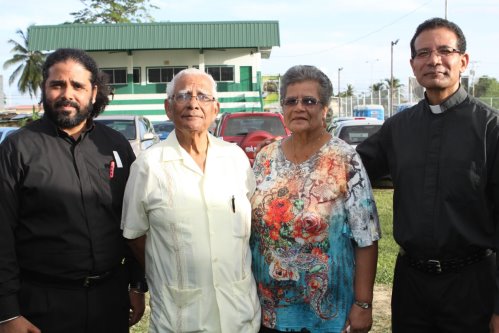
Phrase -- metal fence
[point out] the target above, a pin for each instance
(348, 103)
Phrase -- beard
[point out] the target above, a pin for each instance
(63, 119)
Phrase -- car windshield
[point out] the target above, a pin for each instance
(244, 125)
(124, 126)
(356, 134)
(163, 127)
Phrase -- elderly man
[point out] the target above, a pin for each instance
(62, 179)
(188, 215)
(443, 156)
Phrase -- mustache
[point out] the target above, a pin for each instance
(62, 103)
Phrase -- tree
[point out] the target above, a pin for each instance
(114, 11)
(486, 87)
(29, 70)
(377, 86)
(349, 92)
(396, 83)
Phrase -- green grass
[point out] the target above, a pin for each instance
(388, 249)
(386, 260)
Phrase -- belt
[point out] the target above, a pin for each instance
(85, 282)
(437, 266)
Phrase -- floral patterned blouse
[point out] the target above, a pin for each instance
(306, 220)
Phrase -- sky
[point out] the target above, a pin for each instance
(355, 35)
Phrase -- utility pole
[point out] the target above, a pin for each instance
(390, 102)
(339, 96)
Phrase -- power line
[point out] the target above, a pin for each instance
(359, 38)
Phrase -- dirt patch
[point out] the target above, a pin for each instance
(381, 308)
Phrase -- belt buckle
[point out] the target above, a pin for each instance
(435, 264)
(88, 279)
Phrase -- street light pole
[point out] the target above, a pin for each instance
(371, 82)
(390, 102)
(339, 96)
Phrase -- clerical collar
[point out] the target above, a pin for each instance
(457, 98)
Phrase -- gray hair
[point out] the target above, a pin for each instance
(301, 73)
(170, 88)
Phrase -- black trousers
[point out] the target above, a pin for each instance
(102, 308)
(454, 302)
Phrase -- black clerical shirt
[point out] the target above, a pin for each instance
(60, 204)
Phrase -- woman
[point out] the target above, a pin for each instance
(314, 221)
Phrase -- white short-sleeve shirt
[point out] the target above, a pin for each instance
(198, 261)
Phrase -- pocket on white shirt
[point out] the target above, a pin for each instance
(184, 308)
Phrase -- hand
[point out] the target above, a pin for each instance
(18, 325)
(494, 323)
(359, 320)
(266, 142)
(137, 306)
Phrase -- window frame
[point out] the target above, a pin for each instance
(220, 74)
(175, 70)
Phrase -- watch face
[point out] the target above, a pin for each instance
(363, 304)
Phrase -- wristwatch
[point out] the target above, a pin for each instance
(363, 305)
(140, 286)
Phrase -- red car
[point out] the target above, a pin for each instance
(248, 129)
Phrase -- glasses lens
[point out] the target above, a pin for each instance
(445, 51)
(425, 53)
(204, 98)
(309, 101)
(182, 98)
(290, 101)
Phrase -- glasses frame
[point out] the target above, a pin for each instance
(285, 102)
(187, 97)
(448, 51)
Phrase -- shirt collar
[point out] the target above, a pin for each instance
(455, 99)
(173, 151)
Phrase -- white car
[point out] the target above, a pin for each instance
(6, 131)
(137, 129)
(357, 130)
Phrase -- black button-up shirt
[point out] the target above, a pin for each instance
(60, 209)
(445, 171)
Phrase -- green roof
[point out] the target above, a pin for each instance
(150, 36)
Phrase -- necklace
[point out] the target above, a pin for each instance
(312, 148)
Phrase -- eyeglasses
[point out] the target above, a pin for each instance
(305, 101)
(183, 98)
(443, 51)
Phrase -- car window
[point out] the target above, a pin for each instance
(244, 125)
(356, 134)
(125, 127)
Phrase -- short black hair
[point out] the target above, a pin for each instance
(435, 23)
(97, 78)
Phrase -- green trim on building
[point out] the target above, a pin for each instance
(154, 36)
(135, 112)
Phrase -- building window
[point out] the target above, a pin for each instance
(119, 75)
(221, 73)
(162, 74)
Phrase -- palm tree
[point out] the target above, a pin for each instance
(349, 92)
(29, 69)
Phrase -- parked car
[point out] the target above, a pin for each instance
(163, 128)
(248, 129)
(137, 129)
(355, 131)
(6, 131)
(402, 107)
(336, 120)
